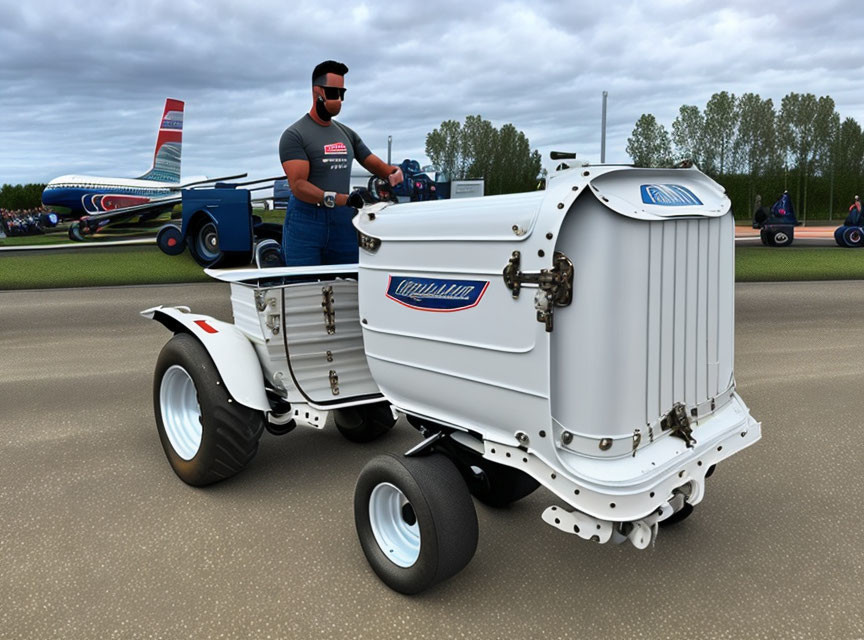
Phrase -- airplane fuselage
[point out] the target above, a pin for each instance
(74, 196)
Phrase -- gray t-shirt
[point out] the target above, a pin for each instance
(329, 150)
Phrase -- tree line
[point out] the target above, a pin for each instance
(17, 197)
(476, 149)
(751, 147)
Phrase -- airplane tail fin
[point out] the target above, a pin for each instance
(166, 158)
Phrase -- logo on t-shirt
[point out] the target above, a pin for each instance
(336, 147)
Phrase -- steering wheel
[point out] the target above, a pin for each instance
(381, 190)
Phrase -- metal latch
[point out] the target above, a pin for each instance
(334, 383)
(329, 310)
(678, 422)
(555, 285)
(262, 301)
(273, 322)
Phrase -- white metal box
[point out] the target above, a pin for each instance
(648, 330)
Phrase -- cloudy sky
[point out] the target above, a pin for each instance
(82, 85)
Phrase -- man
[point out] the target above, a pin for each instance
(316, 153)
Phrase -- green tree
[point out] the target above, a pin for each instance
(721, 121)
(444, 146)
(754, 144)
(649, 145)
(21, 196)
(516, 167)
(805, 125)
(688, 134)
(476, 149)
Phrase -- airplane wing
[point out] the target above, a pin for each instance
(89, 225)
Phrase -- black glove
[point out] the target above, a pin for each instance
(359, 198)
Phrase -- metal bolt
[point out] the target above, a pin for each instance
(515, 228)
(522, 437)
(566, 437)
(560, 205)
(541, 253)
(575, 188)
(605, 444)
(549, 236)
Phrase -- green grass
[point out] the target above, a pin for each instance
(147, 265)
(95, 267)
(755, 264)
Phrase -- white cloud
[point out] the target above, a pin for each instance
(82, 86)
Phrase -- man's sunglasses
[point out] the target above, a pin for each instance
(334, 93)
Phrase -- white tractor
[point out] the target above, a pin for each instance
(579, 338)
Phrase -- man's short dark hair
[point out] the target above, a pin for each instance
(319, 74)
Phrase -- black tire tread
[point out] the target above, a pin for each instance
(231, 430)
(444, 508)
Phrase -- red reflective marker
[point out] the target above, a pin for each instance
(203, 324)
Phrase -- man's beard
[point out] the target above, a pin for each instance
(321, 110)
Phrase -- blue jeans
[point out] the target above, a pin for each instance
(317, 235)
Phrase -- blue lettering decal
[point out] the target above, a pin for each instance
(436, 294)
(669, 195)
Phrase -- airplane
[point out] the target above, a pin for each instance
(96, 201)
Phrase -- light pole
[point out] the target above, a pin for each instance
(603, 130)
(389, 148)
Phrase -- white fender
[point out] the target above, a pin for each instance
(233, 354)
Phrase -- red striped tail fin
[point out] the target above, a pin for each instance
(166, 157)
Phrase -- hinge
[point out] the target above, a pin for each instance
(334, 383)
(328, 309)
(678, 422)
(555, 285)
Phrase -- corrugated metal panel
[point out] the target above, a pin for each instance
(650, 326)
(308, 342)
(689, 315)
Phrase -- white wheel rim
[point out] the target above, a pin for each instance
(397, 539)
(181, 414)
(781, 237)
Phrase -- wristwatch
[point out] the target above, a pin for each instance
(329, 199)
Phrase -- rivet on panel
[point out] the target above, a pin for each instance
(605, 444)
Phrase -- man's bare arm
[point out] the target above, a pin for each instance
(378, 167)
(298, 178)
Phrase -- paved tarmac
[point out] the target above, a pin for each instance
(99, 539)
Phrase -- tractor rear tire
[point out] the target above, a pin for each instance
(206, 434)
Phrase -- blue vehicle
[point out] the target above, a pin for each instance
(777, 226)
(218, 226)
(417, 185)
(851, 233)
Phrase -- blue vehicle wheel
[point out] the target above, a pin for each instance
(838, 236)
(853, 237)
(170, 240)
(203, 243)
(782, 238)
